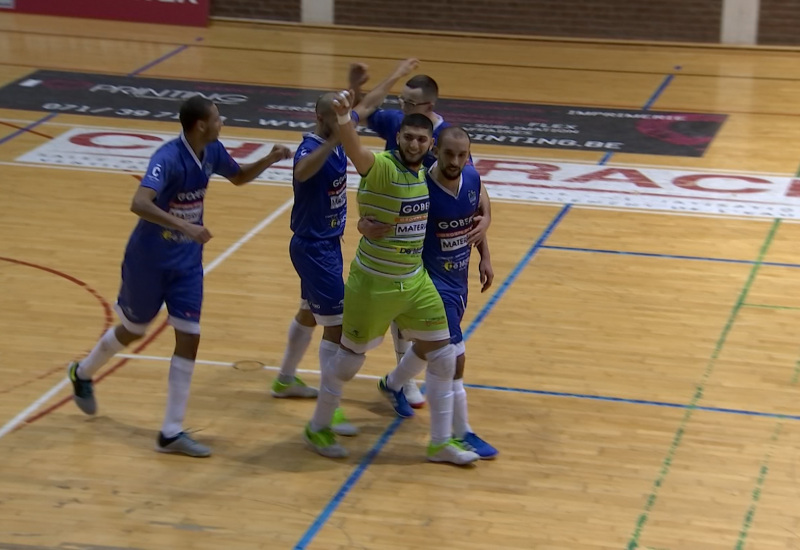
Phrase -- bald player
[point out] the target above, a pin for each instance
(318, 218)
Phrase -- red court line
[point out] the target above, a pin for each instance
(105, 305)
(121, 363)
(34, 132)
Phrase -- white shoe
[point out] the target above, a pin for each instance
(413, 395)
(451, 451)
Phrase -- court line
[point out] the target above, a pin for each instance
(353, 478)
(491, 387)
(477, 38)
(666, 464)
(649, 103)
(670, 256)
(52, 115)
(20, 419)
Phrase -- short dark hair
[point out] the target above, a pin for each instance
(417, 120)
(194, 109)
(430, 90)
(454, 131)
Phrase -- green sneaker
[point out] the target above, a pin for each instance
(296, 388)
(341, 426)
(451, 451)
(324, 442)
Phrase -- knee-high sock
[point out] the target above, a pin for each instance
(296, 346)
(180, 379)
(103, 350)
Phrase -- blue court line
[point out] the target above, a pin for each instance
(326, 513)
(660, 90)
(315, 527)
(52, 115)
(27, 128)
(668, 256)
(161, 59)
(629, 401)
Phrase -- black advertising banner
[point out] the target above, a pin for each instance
(499, 123)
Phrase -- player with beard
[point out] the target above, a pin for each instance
(454, 197)
(387, 282)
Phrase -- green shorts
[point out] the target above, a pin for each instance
(372, 302)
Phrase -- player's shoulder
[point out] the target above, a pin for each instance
(471, 176)
(170, 150)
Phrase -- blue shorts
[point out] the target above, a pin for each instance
(146, 288)
(319, 264)
(454, 306)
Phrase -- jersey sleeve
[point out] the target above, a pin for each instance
(225, 166)
(385, 123)
(157, 173)
(380, 176)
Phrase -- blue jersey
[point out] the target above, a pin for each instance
(180, 181)
(320, 202)
(386, 123)
(446, 252)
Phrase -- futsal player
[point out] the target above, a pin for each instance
(446, 256)
(163, 261)
(419, 95)
(388, 282)
(319, 182)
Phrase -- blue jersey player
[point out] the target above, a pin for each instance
(454, 198)
(419, 95)
(318, 219)
(163, 261)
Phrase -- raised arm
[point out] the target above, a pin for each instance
(310, 164)
(362, 158)
(371, 101)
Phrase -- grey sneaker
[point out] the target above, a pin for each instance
(182, 444)
(82, 390)
(324, 442)
(341, 425)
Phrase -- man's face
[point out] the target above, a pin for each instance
(413, 101)
(452, 154)
(414, 144)
(212, 126)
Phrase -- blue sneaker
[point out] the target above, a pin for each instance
(472, 442)
(396, 398)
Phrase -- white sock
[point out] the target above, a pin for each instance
(104, 349)
(327, 351)
(460, 422)
(180, 378)
(401, 345)
(331, 385)
(409, 366)
(298, 341)
(442, 362)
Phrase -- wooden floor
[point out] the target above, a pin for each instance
(642, 391)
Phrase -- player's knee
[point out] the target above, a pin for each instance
(348, 364)
(332, 333)
(126, 337)
(442, 362)
(305, 318)
(186, 344)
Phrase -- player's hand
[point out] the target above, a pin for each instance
(372, 228)
(279, 152)
(358, 75)
(406, 67)
(480, 227)
(343, 102)
(487, 274)
(197, 233)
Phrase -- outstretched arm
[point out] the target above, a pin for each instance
(249, 172)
